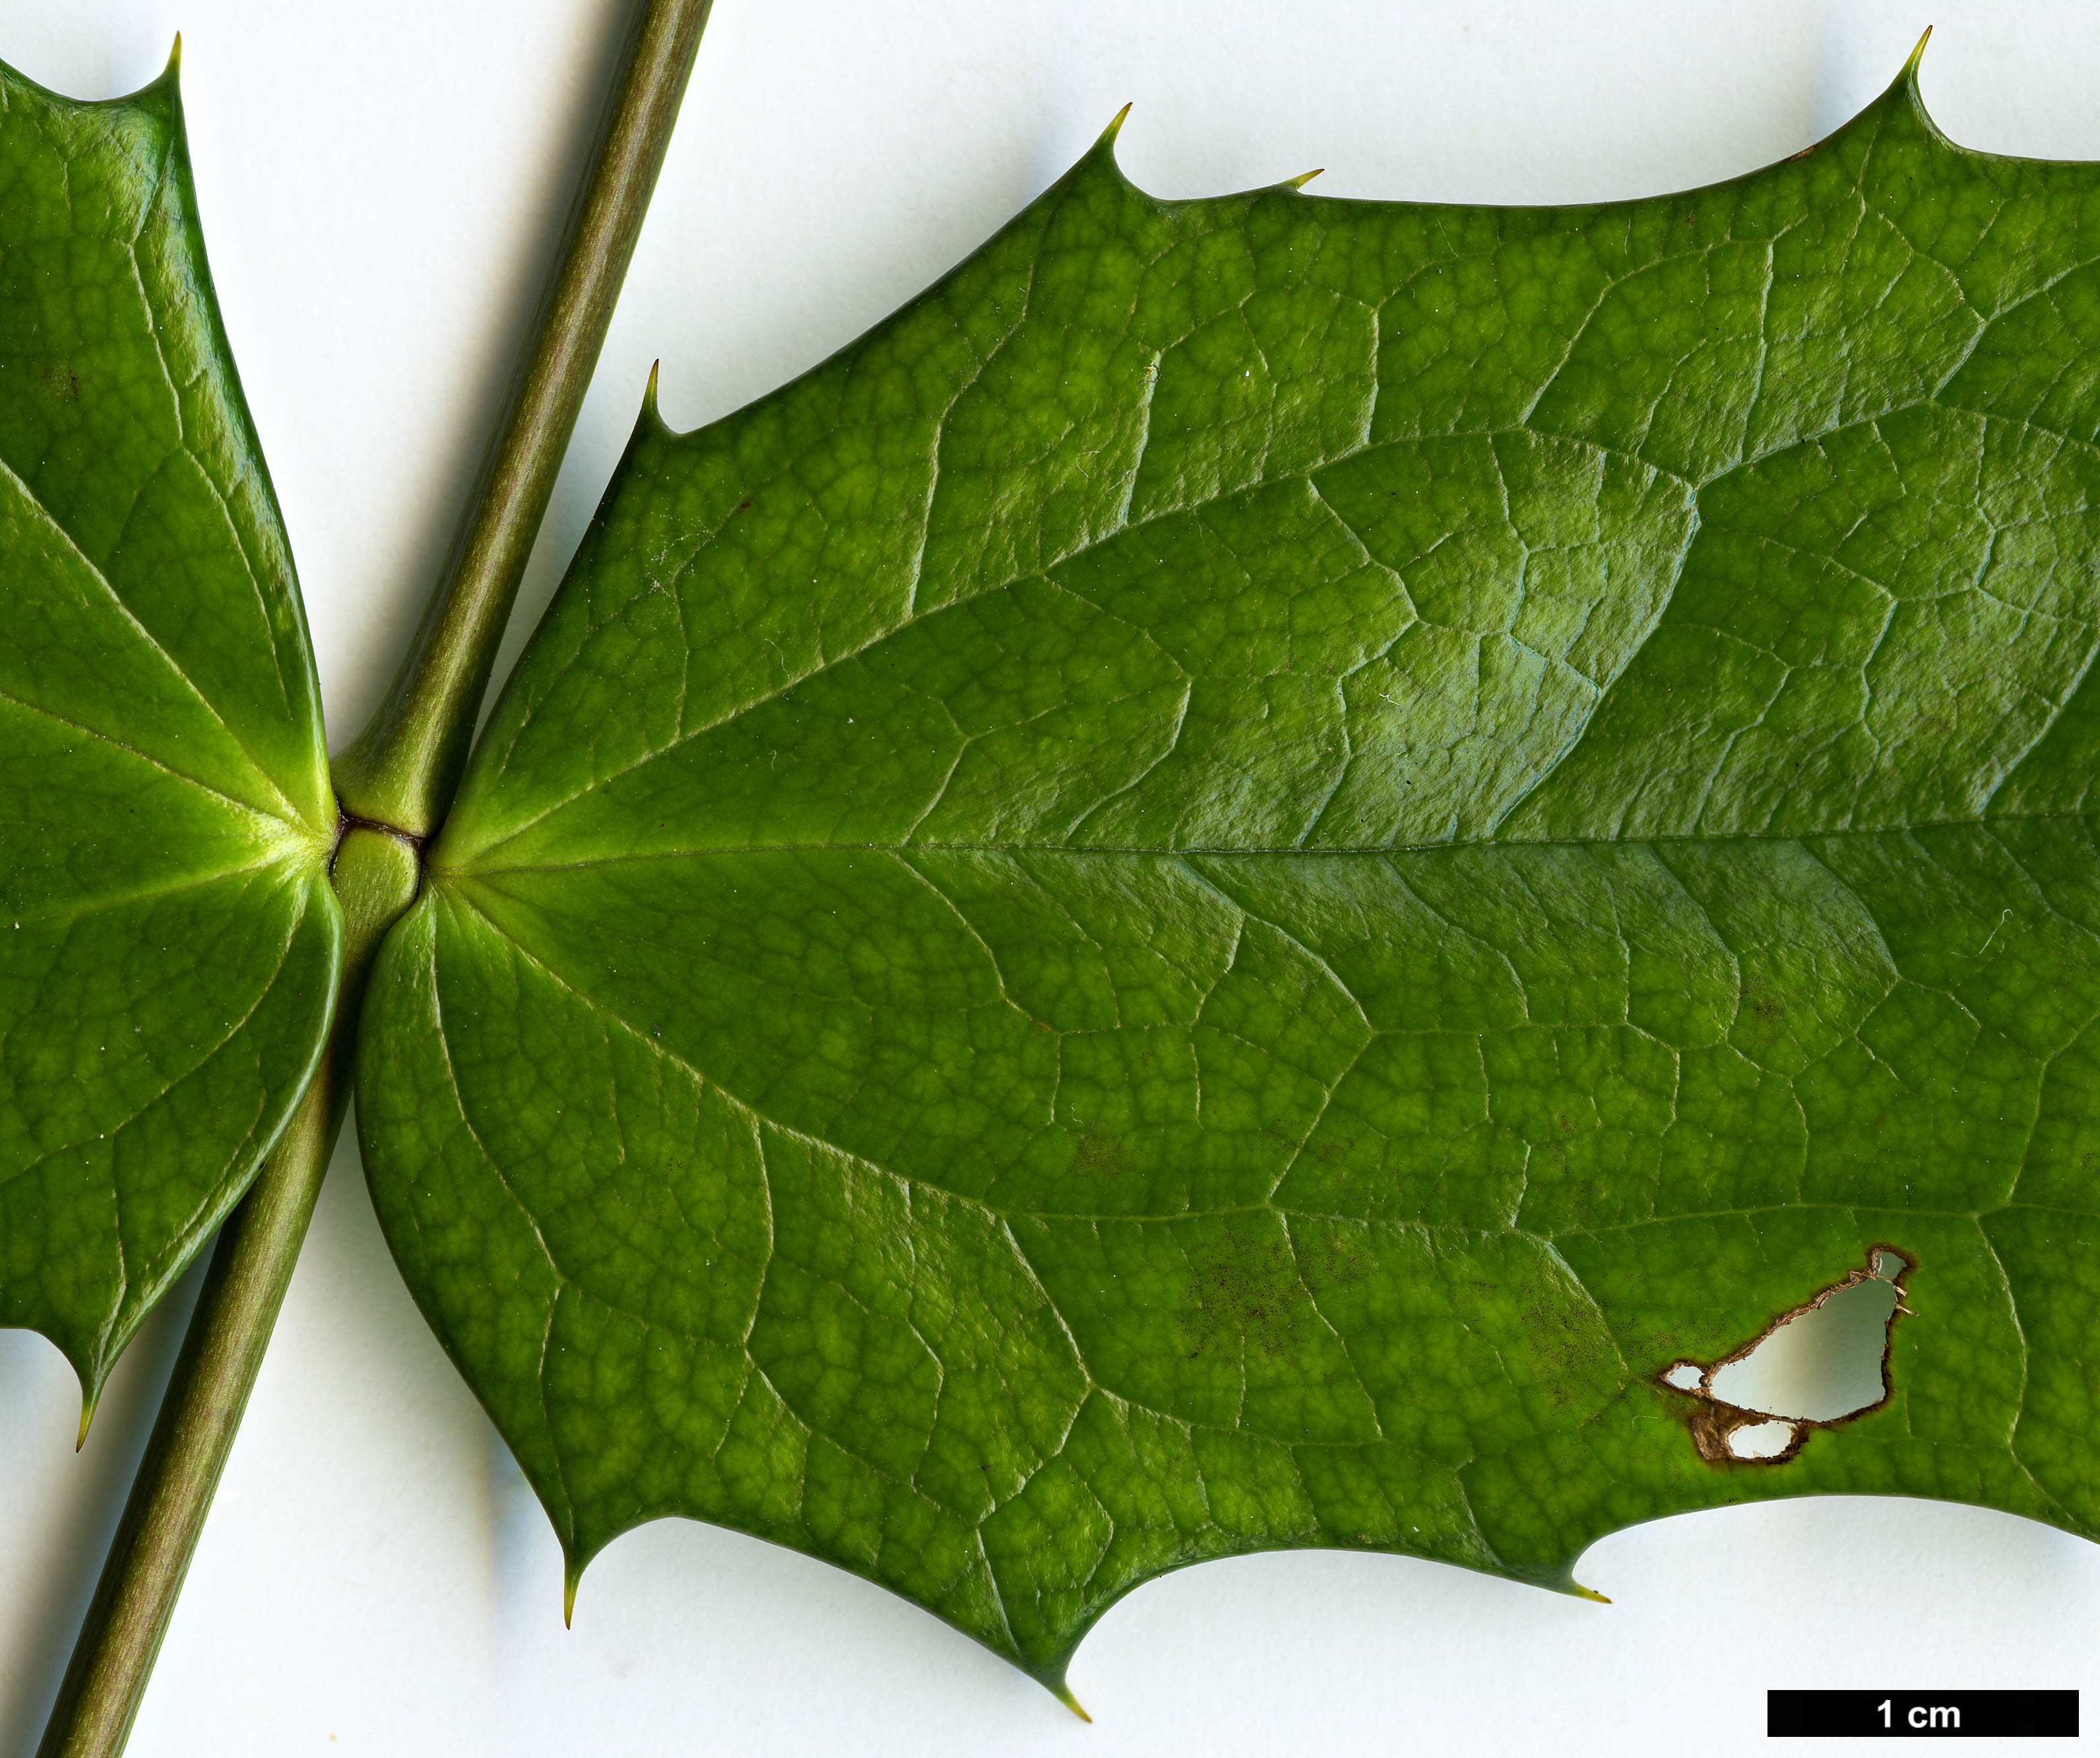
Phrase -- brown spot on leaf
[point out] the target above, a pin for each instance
(1762, 1021)
(1099, 1154)
(1243, 1287)
(1337, 1257)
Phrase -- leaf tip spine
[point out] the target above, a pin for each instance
(571, 1579)
(167, 83)
(1064, 1694)
(1905, 90)
(86, 1417)
(1589, 1593)
(650, 421)
(1114, 128)
(164, 90)
(1300, 181)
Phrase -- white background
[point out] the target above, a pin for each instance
(380, 184)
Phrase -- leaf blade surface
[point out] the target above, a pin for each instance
(1216, 890)
(171, 945)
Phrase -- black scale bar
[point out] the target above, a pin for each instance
(1921, 1714)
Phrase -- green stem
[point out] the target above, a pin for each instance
(395, 783)
(404, 766)
(221, 1354)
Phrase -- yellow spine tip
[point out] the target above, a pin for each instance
(1064, 1696)
(1299, 182)
(649, 396)
(174, 58)
(569, 1583)
(87, 1416)
(1114, 128)
(1917, 54)
(1587, 1593)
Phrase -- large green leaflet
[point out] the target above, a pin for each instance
(169, 945)
(1215, 891)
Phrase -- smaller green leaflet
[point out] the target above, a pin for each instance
(1224, 888)
(169, 944)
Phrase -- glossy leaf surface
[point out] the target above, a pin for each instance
(168, 943)
(1216, 890)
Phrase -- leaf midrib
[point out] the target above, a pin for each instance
(449, 875)
(294, 866)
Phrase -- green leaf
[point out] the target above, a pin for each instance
(1220, 890)
(169, 945)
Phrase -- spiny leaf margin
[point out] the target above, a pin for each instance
(1573, 990)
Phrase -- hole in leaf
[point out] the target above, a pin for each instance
(1822, 1363)
(1761, 1440)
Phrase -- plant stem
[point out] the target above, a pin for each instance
(221, 1354)
(405, 765)
(395, 783)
